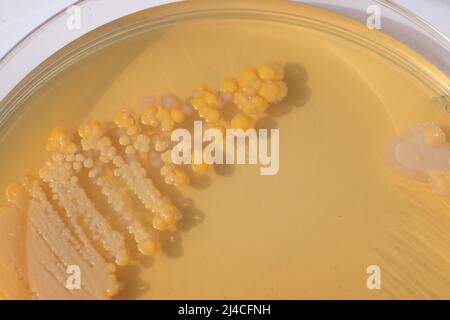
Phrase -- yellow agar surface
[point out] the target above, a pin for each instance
(309, 231)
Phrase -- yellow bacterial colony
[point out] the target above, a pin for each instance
(108, 154)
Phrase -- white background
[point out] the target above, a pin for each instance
(19, 17)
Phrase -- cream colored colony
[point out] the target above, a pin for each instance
(52, 222)
(423, 153)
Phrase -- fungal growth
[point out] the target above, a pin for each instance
(53, 223)
(422, 153)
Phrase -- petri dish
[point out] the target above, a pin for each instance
(332, 211)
